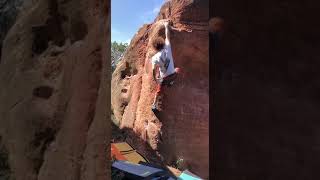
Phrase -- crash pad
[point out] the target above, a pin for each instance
(187, 175)
(138, 171)
(123, 151)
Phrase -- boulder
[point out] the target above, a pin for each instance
(181, 130)
(54, 95)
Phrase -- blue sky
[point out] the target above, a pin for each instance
(127, 16)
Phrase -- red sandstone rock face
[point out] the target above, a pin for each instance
(181, 130)
(54, 100)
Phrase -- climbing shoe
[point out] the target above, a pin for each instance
(154, 109)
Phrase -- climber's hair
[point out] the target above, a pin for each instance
(158, 43)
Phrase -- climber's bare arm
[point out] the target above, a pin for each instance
(154, 73)
(167, 32)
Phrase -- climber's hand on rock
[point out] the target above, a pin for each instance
(164, 20)
(166, 23)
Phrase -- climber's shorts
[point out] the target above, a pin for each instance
(166, 82)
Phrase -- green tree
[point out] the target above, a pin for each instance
(117, 51)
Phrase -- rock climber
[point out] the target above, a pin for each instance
(163, 61)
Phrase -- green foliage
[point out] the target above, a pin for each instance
(179, 163)
(121, 47)
(117, 51)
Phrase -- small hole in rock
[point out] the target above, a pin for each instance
(124, 90)
(50, 31)
(124, 104)
(79, 30)
(43, 92)
(41, 38)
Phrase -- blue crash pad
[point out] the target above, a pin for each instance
(187, 175)
(138, 170)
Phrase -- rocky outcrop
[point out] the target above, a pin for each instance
(181, 130)
(53, 110)
(266, 118)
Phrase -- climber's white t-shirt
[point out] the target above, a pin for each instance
(164, 59)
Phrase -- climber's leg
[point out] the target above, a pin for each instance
(155, 105)
(169, 81)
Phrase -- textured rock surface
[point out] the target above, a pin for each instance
(182, 129)
(8, 13)
(266, 122)
(4, 162)
(54, 104)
